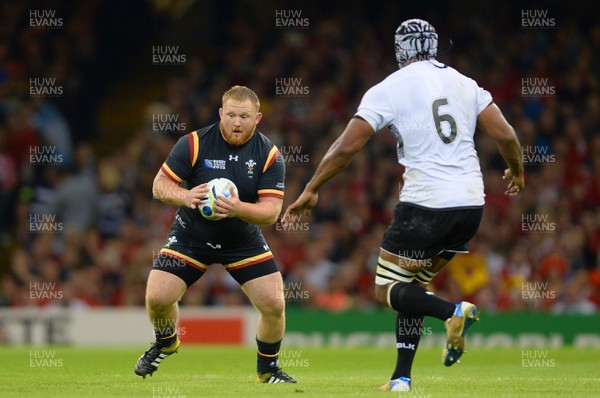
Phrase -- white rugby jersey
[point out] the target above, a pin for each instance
(432, 111)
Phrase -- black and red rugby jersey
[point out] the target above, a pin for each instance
(256, 167)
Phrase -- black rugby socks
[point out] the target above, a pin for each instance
(412, 299)
(408, 333)
(165, 331)
(267, 355)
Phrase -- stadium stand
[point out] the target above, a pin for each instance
(98, 196)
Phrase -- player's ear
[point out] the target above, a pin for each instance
(258, 117)
(221, 113)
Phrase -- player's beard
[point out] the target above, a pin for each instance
(235, 138)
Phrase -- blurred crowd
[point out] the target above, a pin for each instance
(88, 227)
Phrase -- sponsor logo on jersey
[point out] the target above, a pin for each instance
(231, 157)
(214, 246)
(214, 164)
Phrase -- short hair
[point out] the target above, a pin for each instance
(241, 94)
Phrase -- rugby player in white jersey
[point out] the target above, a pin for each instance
(433, 111)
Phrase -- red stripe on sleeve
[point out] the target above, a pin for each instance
(191, 143)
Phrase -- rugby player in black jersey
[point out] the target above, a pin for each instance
(232, 149)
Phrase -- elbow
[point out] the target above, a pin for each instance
(270, 220)
(507, 137)
(263, 222)
(346, 152)
(272, 217)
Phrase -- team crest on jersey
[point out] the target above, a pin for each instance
(250, 164)
(171, 240)
(214, 164)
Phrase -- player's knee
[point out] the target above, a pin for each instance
(274, 307)
(381, 292)
(157, 300)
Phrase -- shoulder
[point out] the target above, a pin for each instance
(193, 136)
(263, 140)
(377, 94)
(207, 131)
(380, 91)
(264, 144)
(267, 150)
(188, 145)
(459, 76)
(388, 81)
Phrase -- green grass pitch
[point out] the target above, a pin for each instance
(328, 372)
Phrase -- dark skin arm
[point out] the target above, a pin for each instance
(338, 157)
(358, 132)
(492, 123)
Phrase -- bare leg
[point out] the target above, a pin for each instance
(266, 294)
(163, 291)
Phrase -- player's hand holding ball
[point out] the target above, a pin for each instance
(195, 195)
(221, 200)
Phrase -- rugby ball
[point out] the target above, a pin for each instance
(217, 186)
